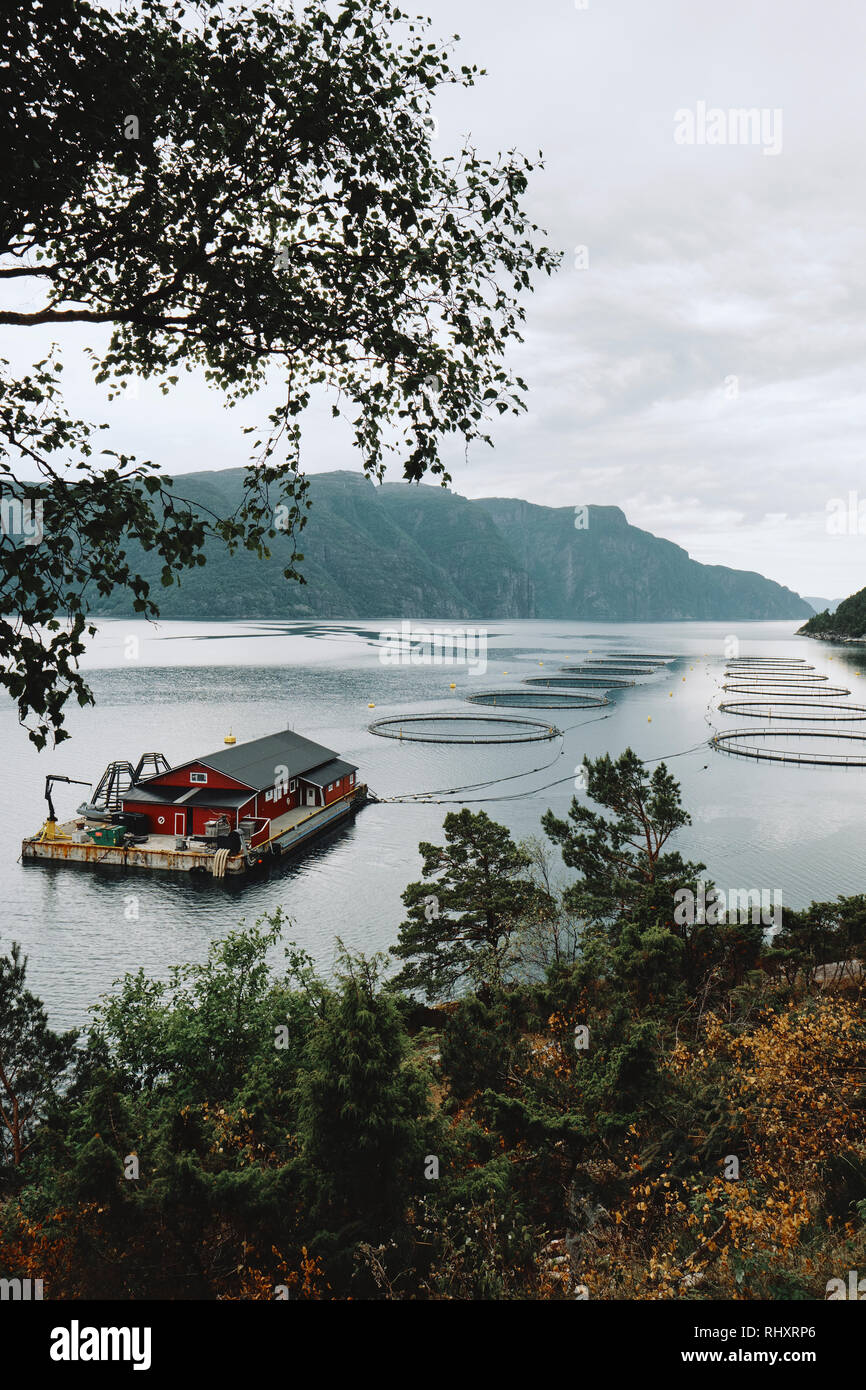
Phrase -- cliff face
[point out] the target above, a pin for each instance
(424, 552)
(613, 570)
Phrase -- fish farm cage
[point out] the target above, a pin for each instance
(737, 742)
(603, 669)
(787, 709)
(591, 682)
(642, 661)
(791, 690)
(741, 687)
(777, 676)
(441, 728)
(538, 699)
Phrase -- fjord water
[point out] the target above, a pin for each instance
(180, 687)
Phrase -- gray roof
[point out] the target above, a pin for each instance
(258, 764)
(329, 772)
(185, 796)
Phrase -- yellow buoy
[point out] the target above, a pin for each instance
(453, 685)
(683, 677)
(371, 705)
(229, 738)
(649, 719)
(670, 694)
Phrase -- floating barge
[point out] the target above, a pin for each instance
(225, 814)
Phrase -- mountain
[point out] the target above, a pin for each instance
(822, 605)
(848, 623)
(402, 550)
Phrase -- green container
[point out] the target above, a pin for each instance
(108, 835)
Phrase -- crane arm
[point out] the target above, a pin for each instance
(55, 777)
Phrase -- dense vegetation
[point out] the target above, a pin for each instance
(425, 552)
(849, 619)
(619, 1100)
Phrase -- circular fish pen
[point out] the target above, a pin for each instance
(538, 699)
(620, 660)
(441, 728)
(590, 682)
(737, 743)
(641, 656)
(611, 670)
(764, 688)
(788, 709)
(780, 678)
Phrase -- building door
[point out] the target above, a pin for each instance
(180, 822)
(311, 796)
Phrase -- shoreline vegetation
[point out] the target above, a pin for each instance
(846, 624)
(575, 1086)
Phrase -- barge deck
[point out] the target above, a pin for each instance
(68, 844)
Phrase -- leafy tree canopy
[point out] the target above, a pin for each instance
(252, 192)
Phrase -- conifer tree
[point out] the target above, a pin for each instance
(475, 891)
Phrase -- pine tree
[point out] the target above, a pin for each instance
(476, 890)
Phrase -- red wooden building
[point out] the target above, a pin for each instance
(252, 782)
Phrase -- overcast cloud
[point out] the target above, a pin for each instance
(706, 371)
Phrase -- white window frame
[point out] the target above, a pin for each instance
(198, 778)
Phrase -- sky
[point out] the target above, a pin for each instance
(700, 358)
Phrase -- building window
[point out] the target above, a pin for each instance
(198, 776)
(269, 796)
(292, 786)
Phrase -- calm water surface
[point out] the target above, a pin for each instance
(756, 825)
